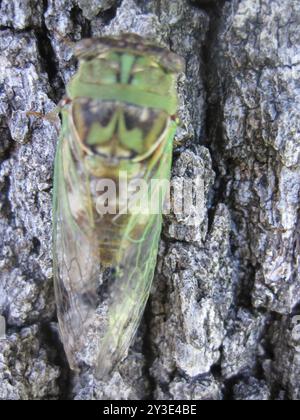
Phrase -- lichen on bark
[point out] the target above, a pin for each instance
(220, 323)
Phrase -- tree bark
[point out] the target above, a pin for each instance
(222, 319)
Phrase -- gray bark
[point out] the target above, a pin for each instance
(222, 319)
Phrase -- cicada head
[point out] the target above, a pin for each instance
(123, 96)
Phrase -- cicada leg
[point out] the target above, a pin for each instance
(53, 116)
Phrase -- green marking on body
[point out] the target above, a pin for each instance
(127, 62)
(99, 134)
(123, 93)
(131, 139)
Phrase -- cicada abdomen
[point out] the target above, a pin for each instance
(118, 130)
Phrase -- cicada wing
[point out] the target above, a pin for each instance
(76, 260)
(133, 279)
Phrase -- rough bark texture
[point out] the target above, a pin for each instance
(221, 321)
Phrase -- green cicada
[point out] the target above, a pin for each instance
(118, 118)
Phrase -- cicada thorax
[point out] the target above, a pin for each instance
(116, 131)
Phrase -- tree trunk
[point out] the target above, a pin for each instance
(221, 322)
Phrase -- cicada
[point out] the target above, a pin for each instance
(118, 121)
